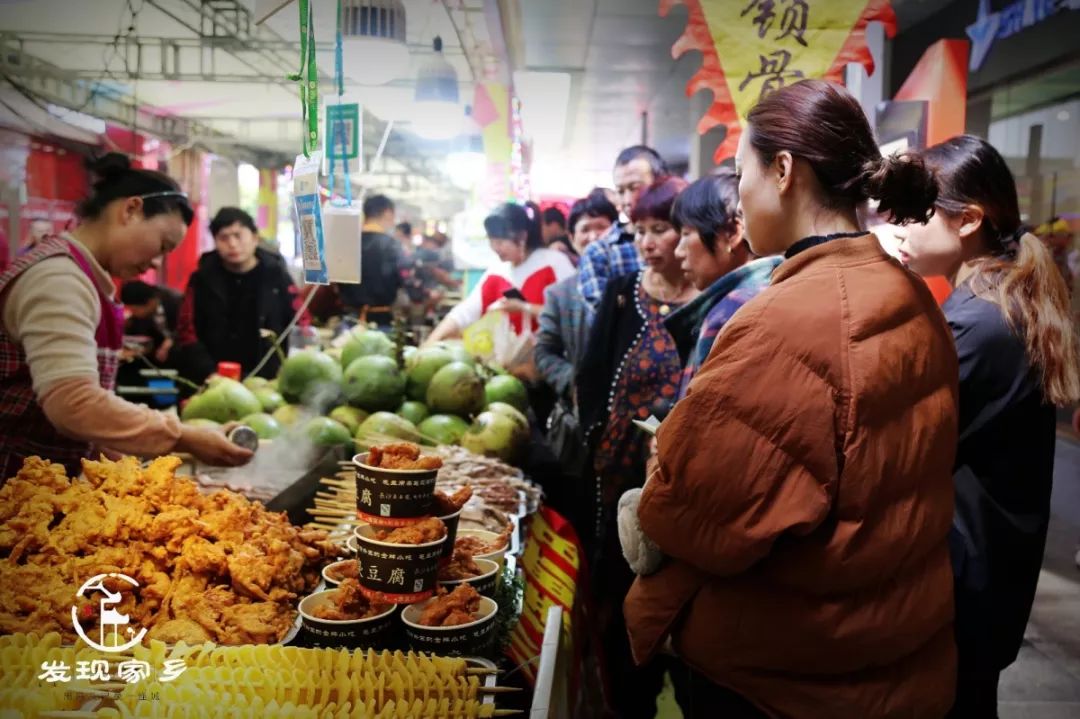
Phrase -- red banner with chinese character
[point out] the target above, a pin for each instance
(751, 47)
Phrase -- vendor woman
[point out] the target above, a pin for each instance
(61, 331)
(516, 285)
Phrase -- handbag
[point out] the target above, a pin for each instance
(566, 438)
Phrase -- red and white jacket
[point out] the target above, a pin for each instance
(541, 269)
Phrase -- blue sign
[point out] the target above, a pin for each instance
(1020, 15)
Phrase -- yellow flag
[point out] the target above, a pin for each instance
(752, 47)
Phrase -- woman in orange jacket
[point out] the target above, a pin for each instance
(802, 492)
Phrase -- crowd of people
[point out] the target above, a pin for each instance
(844, 509)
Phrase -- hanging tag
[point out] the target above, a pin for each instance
(344, 126)
(309, 218)
(343, 227)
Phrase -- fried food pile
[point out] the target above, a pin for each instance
(348, 569)
(431, 529)
(461, 566)
(212, 567)
(460, 606)
(404, 455)
(348, 604)
(476, 546)
(449, 503)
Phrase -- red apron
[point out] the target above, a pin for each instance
(24, 429)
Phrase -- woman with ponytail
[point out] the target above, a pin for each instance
(1019, 358)
(516, 285)
(802, 492)
(61, 331)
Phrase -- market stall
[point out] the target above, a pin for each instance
(310, 559)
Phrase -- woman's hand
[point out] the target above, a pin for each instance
(212, 447)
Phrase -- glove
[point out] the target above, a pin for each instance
(643, 556)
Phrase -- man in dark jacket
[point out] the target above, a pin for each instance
(383, 266)
(239, 290)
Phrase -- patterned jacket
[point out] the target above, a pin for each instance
(696, 326)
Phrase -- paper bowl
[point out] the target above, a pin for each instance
(488, 537)
(392, 497)
(472, 638)
(328, 572)
(374, 631)
(484, 584)
(451, 521)
(396, 573)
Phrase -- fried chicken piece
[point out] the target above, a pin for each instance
(448, 504)
(348, 570)
(257, 622)
(431, 529)
(208, 566)
(453, 607)
(461, 566)
(403, 455)
(348, 603)
(479, 547)
(174, 631)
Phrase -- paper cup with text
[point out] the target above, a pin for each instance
(374, 631)
(484, 583)
(396, 573)
(472, 638)
(392, 497)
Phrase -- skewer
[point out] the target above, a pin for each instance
(328, 512)
(333, 482)
(497, 690)
(480, 671)
(508, 712)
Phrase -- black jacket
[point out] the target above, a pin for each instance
(382, 263)
(614, 329)
(209, 331)
(1004, 472)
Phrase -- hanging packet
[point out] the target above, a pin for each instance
(309, 218)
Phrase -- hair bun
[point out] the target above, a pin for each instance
(110, 165)
(904, 186)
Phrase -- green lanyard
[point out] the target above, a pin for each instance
(309, 89)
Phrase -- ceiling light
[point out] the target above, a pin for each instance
(437, 102)
(1063, 115)
(373, 41)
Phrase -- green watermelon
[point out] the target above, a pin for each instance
(364, 343)
(415, 412)
(456, 389)
(310, 378)
(389, 424)
(325, 432)
(374, 383)
(264, 425)
(444, 428)
(421, 367)
(507, 389)
(351, 417)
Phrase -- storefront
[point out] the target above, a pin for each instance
(1023, 90)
